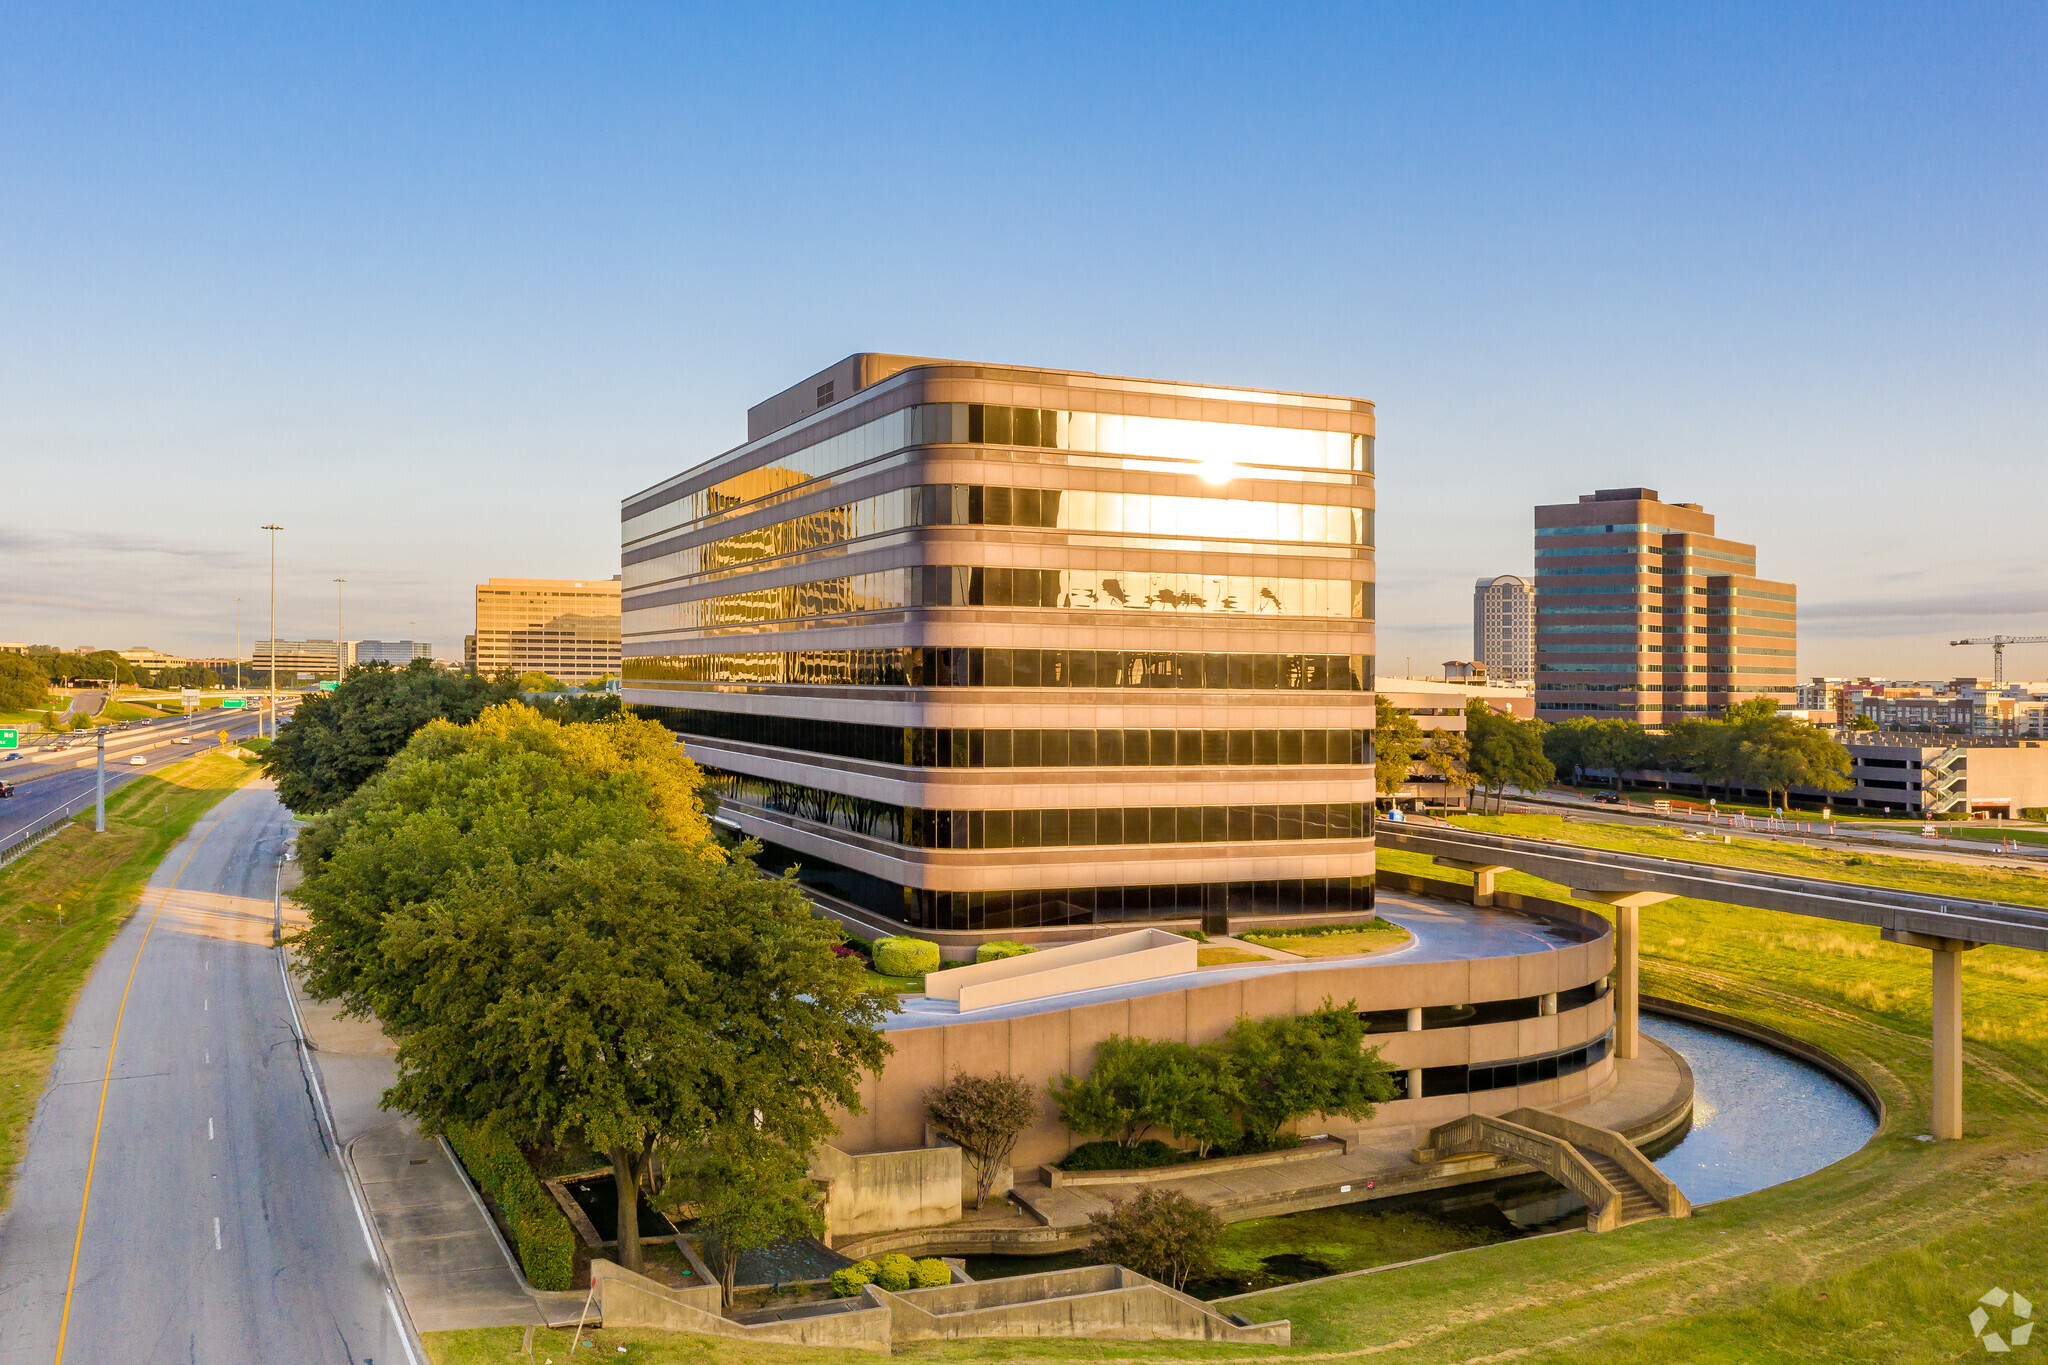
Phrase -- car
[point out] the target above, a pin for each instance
(12, 755)
(1608, 798)
(182, 739)
(5, 790)
(137, 761)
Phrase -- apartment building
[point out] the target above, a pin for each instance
(987, 648)
(1644, 613)
(397, 653)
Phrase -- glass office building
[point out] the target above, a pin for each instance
(986, 648)
(565, 628)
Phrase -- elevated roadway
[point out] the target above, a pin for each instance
(1947, 926)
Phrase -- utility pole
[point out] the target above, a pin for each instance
(99, 785)
(238, 644)
(338, 646)
(273, 628)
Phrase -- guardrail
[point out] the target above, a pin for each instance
(46, 827)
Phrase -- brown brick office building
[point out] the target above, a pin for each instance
(1643, 613)
(992, 648)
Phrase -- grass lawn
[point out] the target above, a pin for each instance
(98, 880)
(1345, 1240)
(1225, 954)
(2020, 884)
(1365, 938)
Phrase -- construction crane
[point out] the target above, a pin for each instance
(1998, 644)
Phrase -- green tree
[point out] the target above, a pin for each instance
(1396, 741)
(1292, 1066)
(1199, 1096)
(1862, 723)
(1444, 757)
(749, 1190)
(1121, 1097)
(1505, 751)
(1620, 746)
(1159, 1233)
(338, 740)
(23, 684)
(536, 681)
(985, 1115)
(511, 788)
(634, 995)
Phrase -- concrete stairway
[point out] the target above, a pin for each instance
(1637, 1203)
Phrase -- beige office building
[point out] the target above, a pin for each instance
(565, 628)
(989, 648)
(1644, 613)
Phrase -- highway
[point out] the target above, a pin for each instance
(44, 781)
(218, 1226)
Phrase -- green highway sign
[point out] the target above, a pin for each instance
(329, 686)
(233, 704)
(10, 738)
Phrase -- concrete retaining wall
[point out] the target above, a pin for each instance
(628, 1300)
(917, 1187)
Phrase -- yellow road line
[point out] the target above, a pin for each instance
(71, 1281)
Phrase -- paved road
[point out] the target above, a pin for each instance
(219, 1227)
(39, 789)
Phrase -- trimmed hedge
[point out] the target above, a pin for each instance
(905, 957)
(540, 1234)
(895, 1272)
(1000, 949)
(932, 1273)
(1114, 1156)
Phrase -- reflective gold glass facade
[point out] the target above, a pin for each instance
(1101, 595)
(565, 628)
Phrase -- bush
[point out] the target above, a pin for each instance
(1114, 1156)
(1160, 1233)
(540, 1234)
(1196, 934)
(905, 957)
(895, 1273)
(932, 1273)
(1000, 949)
(846, 1282)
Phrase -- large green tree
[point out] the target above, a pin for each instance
(1291, 1066)
(510, 788)
(747, 1190)
(23, 683)
(338, 740)
(1504, 751)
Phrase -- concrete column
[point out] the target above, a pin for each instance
(1482, 877)
(1415, 1072)
(1948, 1044)
(1947, 1116)
(1627, 988)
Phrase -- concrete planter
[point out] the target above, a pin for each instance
(1311, 1150)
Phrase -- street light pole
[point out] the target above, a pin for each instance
(338, 647)
(238, 644)
(273, 627)
(99, 785)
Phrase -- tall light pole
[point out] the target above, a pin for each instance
(273, 627)
(337, 628)
(238, 644)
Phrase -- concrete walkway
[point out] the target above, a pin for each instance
(1379, 1163)
(444, 1252)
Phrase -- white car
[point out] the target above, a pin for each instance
(137, 761)
(182, 739)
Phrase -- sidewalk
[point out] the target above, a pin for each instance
(452, 1270)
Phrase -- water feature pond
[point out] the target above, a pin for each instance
(1760, 1118)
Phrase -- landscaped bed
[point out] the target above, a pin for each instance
(1331, 940)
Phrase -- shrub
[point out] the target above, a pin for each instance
(1115, 1156)
(540, 1234)
(1196, 934)
(1160, 1233)
(905, 957)
(1291, 1066)
(932, 1273)
(896, 1272)
(2034, 812)
(1000, 949)
(846, 1282)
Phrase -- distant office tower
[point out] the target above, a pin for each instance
(1504, 628)
(1642, 612)
(300, 660)
(397, 653)
(988, 648)
(566, 629)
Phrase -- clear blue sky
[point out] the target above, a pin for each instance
(434, 286)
